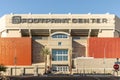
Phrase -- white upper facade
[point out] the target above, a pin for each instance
(67, 21)
(103, 22)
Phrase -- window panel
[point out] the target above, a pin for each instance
(59, 36)
(59, 55)
(60, 68)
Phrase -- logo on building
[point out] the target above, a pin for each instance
(19, 19)
(16, 19)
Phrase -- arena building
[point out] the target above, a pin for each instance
(67, 36)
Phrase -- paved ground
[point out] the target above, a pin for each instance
(65, 78)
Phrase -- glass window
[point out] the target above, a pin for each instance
(60, 68)
(59, 43)
(59, 36)
(59, 55)
(65, 58)
(79, 37)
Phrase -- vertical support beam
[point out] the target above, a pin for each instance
(49, 36)
(35, 70)
(100, 30)
(22, 71)
(10, 71)
(49, 32)
(69, 31)
(30, 33)
(70, 60)
(89, 33)
(49, 56)
(70, 53)
(20, 33)
(0, 34)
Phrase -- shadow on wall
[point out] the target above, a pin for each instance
(79, 50)
(36, 55)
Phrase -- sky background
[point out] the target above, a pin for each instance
(60, 6)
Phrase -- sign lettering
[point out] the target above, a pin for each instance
(19, 19)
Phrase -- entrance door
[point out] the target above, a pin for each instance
(60, 68)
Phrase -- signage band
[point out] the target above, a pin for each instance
(19, 19)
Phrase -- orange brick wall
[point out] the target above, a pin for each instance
(15, 47)
(104, 47)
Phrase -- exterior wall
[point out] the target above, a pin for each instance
(15, 51)
(116, 33)
(79, 47)
(24, 70)
(94, 65)
(107, 33)
(81, 65)
(11, 33)
(14, 30)
(37, 45)
(69, 25)
(117, 27)
(2, 23)
(104, 47)
(117, 23)
(96, 48)
(65, 44)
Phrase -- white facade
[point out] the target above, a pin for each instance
(60, 33)
(89, 23)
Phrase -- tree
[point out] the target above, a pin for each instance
(45, 51)
(2, 69)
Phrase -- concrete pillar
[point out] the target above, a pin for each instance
(22, 71)
(35, 70)
(89, 33)
(30, 33)
(10, 71)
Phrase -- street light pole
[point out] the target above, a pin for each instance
(15, 58)
(104, 57)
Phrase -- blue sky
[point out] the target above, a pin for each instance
(60, 6)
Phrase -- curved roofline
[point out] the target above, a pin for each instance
(60, 33)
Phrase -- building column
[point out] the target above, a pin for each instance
(49, 57)
(70, 60)
(35, 70)
(89, 33)
(69, 31)
(30, 33)
(22, 71)
(10, 71)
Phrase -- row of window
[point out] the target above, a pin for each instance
(60, 55)
(60, 68)
(60, 58)
(59, 36)
(59, 51)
